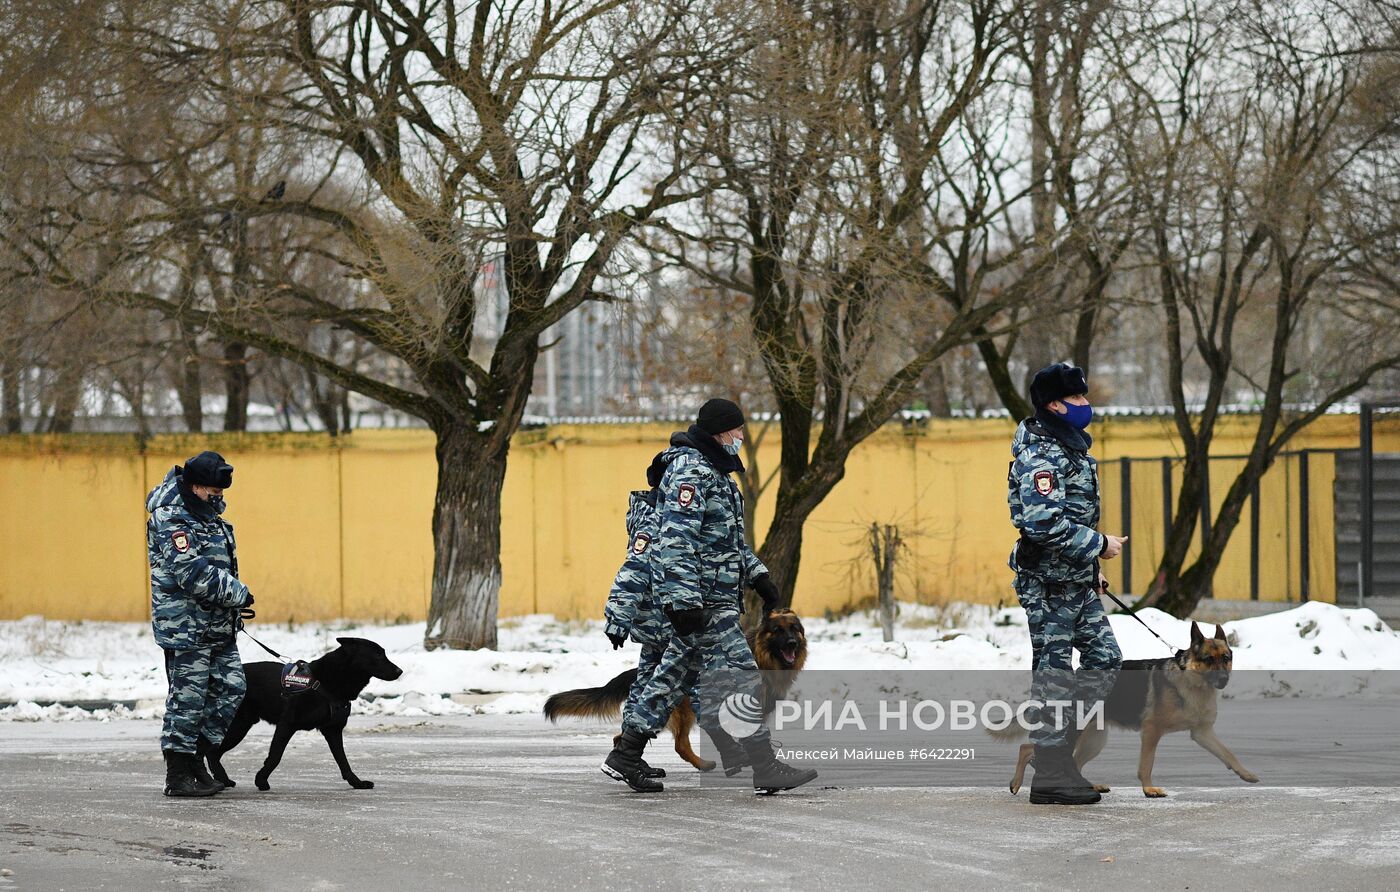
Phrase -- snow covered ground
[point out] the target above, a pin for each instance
(68, 662)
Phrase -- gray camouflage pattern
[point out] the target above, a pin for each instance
(633, 609)
(710, 665)
(1063, 618)
(700, 558)
(195, 591)
(206, 687)
(1053, 493)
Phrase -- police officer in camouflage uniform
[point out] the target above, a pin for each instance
(634, 610)
(700, 563)
(195, 599)
(1053, 491)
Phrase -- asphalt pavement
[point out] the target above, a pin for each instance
(510, 802)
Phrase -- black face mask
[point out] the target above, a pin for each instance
(202, 508)
(709, 447)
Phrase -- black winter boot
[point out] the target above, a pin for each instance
(624, 763)
(180, 777)
(731, 755)
(202, 749)
(770, 775)
(649, 770)
(1057, 781)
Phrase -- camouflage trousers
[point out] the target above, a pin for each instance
(1065, 617)
(711, 666)
(206, 688)
(646, 667)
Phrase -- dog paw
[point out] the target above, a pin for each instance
(362, 784)
(226, 782)
(1249, 777)
(705, 765)
(261, 783)
(1102, 788)
(1154, 792)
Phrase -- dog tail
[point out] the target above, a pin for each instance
(591, 703)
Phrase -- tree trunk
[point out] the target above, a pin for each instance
(998, 367)
(236, 386)
(345, 417)
(466, 540)
(68, 392)
(324, 401)
(1179, 538)
(798, 497)
(9, 383)
(189, 384)
(936, 391)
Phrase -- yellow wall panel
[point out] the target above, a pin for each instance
(341, 527)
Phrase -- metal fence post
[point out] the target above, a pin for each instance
(1254, 542)
(1363, 577)
(1304, 537)
(1125, 480)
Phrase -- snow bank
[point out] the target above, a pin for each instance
(45, 661)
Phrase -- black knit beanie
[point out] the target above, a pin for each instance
(718, 416)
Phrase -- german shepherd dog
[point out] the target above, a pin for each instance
(1157, 697)
(779, 646)
(338, 678)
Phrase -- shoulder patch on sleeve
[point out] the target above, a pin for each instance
(181, 540)
(686, 495)
(1044, 482)
(639, 544)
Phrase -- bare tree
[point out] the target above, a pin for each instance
(513, 130)
(1250, 169)
(867, 211)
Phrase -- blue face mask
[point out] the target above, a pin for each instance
(1078, 416)
(732, 448)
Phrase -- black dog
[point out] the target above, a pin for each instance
(323, 703)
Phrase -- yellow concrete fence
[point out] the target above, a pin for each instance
(340, 527)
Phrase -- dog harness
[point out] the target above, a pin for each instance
(297, 679)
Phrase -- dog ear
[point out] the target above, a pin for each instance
(1196, 637)
(1219, 632)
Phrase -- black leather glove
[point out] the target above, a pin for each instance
(617, 640)
(686, 622)
(249, 601)
(763, 584)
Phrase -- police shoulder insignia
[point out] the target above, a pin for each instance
(181, 539)
(687, 495)
(640, 543)
(1044, 482)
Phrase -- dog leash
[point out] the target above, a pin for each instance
(249, 613)
(1130, 612)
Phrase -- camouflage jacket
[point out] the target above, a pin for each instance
(195, 590)
(632, 607)
(1053, 490)
(700, 557)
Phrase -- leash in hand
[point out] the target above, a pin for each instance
(1126, 609)
(246, 613)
